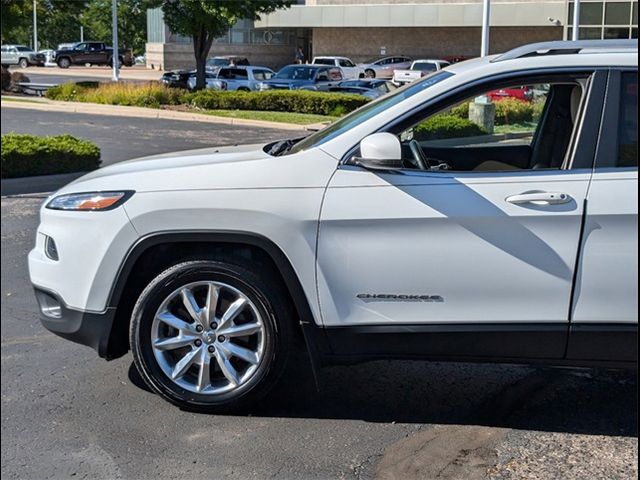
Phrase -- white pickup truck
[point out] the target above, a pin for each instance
(418, 69)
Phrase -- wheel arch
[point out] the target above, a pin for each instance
(155, 252)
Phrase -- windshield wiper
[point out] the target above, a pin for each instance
(281, 147)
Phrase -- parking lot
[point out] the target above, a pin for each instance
(66, 413)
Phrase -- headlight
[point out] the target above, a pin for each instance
(89, 201)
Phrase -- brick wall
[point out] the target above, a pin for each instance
(360, 44)
(171, 56)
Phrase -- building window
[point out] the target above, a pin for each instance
(605, 20)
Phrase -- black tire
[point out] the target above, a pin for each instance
(63, 62)
(264, 293)
(23, 63)
(369, 73)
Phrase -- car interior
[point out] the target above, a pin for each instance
(541, 142)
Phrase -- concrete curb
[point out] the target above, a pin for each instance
(142, 112)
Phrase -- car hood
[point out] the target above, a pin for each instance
(233, 167)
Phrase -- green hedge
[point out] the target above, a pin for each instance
(26, 155)
(446, 126)
(508, 111)
(318, 103)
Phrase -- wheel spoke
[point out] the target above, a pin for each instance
(231, 313)
(241, 352)
(172, 343)
(227, 369)
(175, 322)
(183, 365)
(204, 378)
(212, 302)
(240, 330)
(191, 305)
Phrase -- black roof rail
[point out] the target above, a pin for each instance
(568, 47)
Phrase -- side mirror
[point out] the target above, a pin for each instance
(380, 151)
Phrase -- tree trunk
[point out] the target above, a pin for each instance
(201, 46)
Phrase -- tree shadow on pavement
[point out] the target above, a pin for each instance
(589, 401)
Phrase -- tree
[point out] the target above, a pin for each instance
(15, 16)
(132, 22)
(205, 20)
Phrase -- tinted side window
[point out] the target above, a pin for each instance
(239, 74)
(628, 122)
(323, 61)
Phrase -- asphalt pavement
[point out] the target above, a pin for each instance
(68, 414)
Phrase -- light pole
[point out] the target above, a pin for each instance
(81, 33)
(115, 51)
(575, 35)
(486, 13)
(35, 27)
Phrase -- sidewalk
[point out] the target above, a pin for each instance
(44, 104)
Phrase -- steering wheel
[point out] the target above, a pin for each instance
(418, 155)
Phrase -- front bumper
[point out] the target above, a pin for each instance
(87, 328)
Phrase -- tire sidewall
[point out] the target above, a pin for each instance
(167, 283)
(23, 63)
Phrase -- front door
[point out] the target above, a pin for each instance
(489, 237)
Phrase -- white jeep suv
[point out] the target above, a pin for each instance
(404, 230)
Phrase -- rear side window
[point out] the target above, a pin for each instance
(628, 122)
(323, 61)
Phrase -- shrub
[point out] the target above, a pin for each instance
(25, 155)
(6, 78)
(446, 126)
(538, 108)
(508, 111)
(461, 111)
(154, 94)
(512, 110)
(151, 94)
(318, 103)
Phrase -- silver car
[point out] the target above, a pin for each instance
(384, 67)
(242, 78)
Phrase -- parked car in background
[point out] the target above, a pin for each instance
(48, 57)
(140, 59)
(177, 78)
(304, 77)
(210, 80)
(92, 53)
(214, 63)
(349, 69)
(524, 93)
(418, 69)
(21, 56)
(371, 88)
(456, 58)
(384, 67)
(244, 78)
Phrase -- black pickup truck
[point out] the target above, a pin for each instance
(93, 53)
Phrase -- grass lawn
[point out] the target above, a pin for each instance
(285, 117)
(516, 128)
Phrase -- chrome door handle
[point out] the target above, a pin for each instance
(539, 198)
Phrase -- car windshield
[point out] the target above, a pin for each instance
(294, 72)
(425, 66)
(217, 62)
(368, 111)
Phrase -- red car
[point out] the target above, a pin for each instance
(521, 93)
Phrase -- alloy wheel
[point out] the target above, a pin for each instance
(208, 337)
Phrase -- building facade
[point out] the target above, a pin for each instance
(363, 29)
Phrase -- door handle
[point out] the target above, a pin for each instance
(539, 198)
